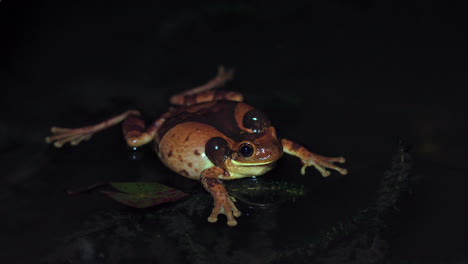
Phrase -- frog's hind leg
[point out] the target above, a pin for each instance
(133, 129)
(204, 93)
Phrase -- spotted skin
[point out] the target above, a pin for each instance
(182, 154)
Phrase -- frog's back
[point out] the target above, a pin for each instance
(218, 114)
(180, 141)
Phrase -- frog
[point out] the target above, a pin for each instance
(208, 135)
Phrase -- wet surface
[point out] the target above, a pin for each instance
(340, 78)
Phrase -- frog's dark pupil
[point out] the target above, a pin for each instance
(246, 150)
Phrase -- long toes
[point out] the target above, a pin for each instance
(228, 209)
(212, 219)
(229, 75)
(325, 173)
(230, 218)
(59, 130)
(58, 144)
(232, 222)
(338, 169)
(77, 141)
(343, 171)
(338, 159)
(333, 159)
(74, 140)
(63, 135)
(234, 209)
(225, 75)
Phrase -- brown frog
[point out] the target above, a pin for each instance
(211, 136)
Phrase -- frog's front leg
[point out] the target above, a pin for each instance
(133, 127)
(222, 202)
(308, 158)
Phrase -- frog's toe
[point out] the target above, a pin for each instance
(59, 130)
(232, 222)
(66, 135)
(322, 163)
(227, 208)
(234, 209)
(77, 140)
(213, 219)
(74, 140)
(341, 160)
(225, 75)
(230, 218)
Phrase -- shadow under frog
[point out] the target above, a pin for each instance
(211, 136)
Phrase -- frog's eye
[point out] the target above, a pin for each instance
(246, 150)
(256, 120)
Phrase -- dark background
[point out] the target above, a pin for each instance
(341, 77)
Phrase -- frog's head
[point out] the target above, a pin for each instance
(255, 156)
(254, 151)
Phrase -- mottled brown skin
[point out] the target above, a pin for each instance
(211, 136)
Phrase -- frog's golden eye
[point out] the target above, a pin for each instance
(256, 121)
(246, 150)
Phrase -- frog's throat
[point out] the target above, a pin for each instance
(251, 164)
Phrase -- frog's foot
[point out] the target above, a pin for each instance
(204, 93)
(308, 158)
(76, 135)
(321, 163)
(64, 135)
(223, 204)
(219, 80)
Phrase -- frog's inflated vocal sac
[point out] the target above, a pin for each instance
(211, 136)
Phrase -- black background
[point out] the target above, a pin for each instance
(341, 77)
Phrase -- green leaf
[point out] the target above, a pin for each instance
(143, 194)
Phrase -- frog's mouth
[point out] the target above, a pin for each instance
(252, 164)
